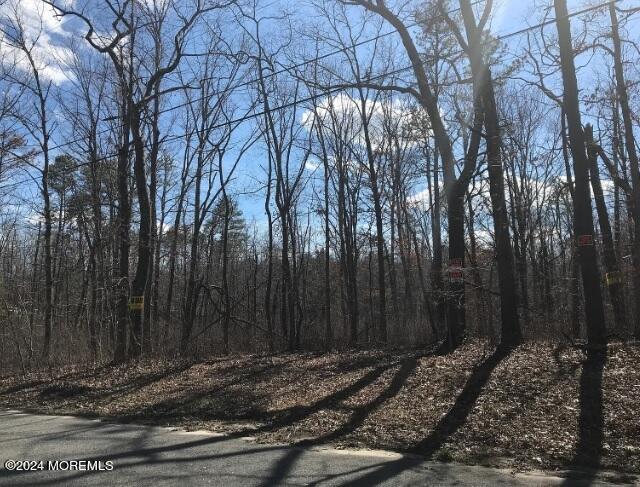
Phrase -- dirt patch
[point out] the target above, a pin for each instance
(536, 407)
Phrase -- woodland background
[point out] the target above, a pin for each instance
(349, 174)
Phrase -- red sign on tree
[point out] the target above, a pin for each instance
(585, 240)
(455, 274)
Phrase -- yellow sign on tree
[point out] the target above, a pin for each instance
(612, 278)
(136, 303)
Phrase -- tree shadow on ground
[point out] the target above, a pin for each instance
(358, 416)
(588, 450)
(283, 418)
(34, 383)
(464, 403)
(282, 468)
(70, 389)
(65, 386)
(142, 381)
(23, 386)
(297, 413)
(194, 404)
(140, 455)
(197, 405)
(448, 425)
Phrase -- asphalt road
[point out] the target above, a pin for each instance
(157, 456)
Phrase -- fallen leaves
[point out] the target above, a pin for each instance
(526, 408)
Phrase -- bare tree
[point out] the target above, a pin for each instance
(455, 187)
(126, 25)
(39, 127)
(484, 92)
(634, 166)
(583, 219)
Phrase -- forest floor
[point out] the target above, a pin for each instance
(539, 407)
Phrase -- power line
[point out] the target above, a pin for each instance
(238, 120)
(283, 70)
(288, 69)
(309, 98)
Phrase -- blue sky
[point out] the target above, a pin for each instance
(509, 16)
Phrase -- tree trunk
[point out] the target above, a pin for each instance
(139, 284)
(583, 219)
(48, 260)
(328, 327)
(123, 218)
(377, 209)
(174, 245)
(613, 279)
(511, 333)
(192, 291)
(456, 322)
(483, 90)
(269, 277)
(436, 238)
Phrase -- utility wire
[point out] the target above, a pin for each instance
(306, 99)
(286, 69)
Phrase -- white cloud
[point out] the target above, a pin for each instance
(42, 28)
(34, 219)
(385, 114)
(422, 198)
(312, 165)
(165, 227)
(155, 4)
(483, 237)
